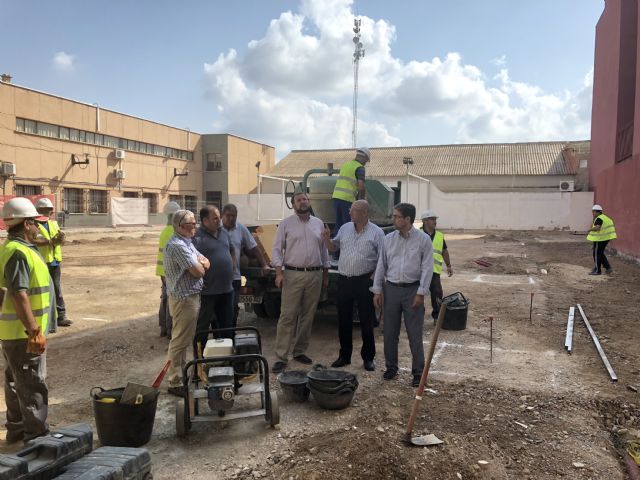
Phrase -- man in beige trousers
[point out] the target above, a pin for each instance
(299, 248)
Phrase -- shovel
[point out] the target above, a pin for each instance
(431, 439)
(135, 394)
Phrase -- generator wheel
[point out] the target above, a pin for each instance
(182, 427)
(273, 415)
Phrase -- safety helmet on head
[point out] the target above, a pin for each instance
(170, 208)
(364, 151)
(44, 202)
(596, 208)
(428, 214)
(17, 209)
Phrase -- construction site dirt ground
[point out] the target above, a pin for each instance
(534, 412)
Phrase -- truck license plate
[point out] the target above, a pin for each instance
(250, 299)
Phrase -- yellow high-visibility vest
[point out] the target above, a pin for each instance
(438, 244)
(347, 185)
(165, 235)
(11, 328)
(50, 253)
(607, 230)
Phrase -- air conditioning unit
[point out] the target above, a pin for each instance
(8, 169)
(119, 174)
(567, 186)
(120, 154)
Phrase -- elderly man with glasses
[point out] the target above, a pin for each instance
(184, 269)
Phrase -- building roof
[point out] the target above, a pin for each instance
(535, 158)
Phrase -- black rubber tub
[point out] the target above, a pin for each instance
(333, 401)
(294, 385)
(331, 379)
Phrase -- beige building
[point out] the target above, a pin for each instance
(85, 155)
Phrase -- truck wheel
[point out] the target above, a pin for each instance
(259, 310)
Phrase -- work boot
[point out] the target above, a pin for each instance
(390, 374)
(415, 381)
(64, 322)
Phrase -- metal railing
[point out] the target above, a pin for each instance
(269, 177)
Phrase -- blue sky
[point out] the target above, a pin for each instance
(280, 72)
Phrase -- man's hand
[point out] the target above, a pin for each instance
(449, 270)
(378, 300)
(204, 261)
(264, 270)
(325, 280)
(279, 279)
(418, 300)
(36, 342)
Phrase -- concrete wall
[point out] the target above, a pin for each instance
(615, 182)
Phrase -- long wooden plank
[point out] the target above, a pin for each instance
(605, 360)
(568, 341)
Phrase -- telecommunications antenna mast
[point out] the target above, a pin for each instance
(357, 55)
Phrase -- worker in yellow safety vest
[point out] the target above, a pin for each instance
(24, 316)
(440, 254)
(601, 233)
(164, 316)
(349, 187)
(49, 242)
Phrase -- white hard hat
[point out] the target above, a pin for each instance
(597, 208)
(171, 208)
(17, 209)
(364, 151)
(44, 202)
(428, 214)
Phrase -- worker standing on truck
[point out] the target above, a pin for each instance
(242, 241)
(299, 248)
(49, 242)
(349, 187)
(361, 244)
(402, 279)
(164, 316)
(601, 233)
(25, 313)
(440, 254)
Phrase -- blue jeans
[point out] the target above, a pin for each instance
(342, 214)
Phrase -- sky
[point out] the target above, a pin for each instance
(280, 72)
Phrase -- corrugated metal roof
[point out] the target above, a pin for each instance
(535, 158)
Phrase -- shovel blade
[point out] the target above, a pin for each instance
(426, 440)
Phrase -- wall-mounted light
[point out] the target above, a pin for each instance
(76, 161)
(258, 164)
(180, 174)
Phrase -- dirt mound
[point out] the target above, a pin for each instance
(507, 265)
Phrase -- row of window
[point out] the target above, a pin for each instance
(75, 135)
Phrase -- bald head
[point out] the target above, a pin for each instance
(359, 213)
(362, 205)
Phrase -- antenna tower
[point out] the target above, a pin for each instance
(357, 55)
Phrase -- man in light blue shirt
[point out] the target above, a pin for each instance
(401, 281)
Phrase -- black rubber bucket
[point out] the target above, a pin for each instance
(294, 385)
(456, 316)
(122, 425)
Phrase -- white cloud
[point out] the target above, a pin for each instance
(293, 89)
(64, 62)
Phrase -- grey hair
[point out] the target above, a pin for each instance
(179, 216)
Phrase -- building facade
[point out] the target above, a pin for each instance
(615, 135)
(85, 155)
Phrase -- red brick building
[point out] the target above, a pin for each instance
(614, 169)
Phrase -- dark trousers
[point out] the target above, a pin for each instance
(164, 316)
(356, 290)
(436, 294)
(25, 390)
(54, 271)
(599, 258)
(216, 311)
(342, 214)
(236, 300)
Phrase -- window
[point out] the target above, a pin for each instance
(214, 162)
(47, 130)
(97, 201)
(177, 199)
(214, 198)
(72, 200)
(64, 133)
(153, 201)
(74, 135)
(191, 203)
(20, 124)
(28, 190)
(130, 194)
(111, 142)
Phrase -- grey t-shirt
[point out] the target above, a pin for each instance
(219, 278)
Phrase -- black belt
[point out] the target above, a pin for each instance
(403, 285)
(303, 269)
(356, 276)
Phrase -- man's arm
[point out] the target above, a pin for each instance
(332, 245)
(447, 262)
(360, 177)
(277, 254)
(23, 309)
(381, 270)
(426, 270)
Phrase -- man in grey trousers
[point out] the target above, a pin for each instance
(401, 281)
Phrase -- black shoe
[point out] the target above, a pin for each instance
(369, 365)
(177, 391)
(302, 358)
(279, 367)
(64, 322)
(608, 271)
(415, 381)
(340, 362)
(389, 374)
(590, 273)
